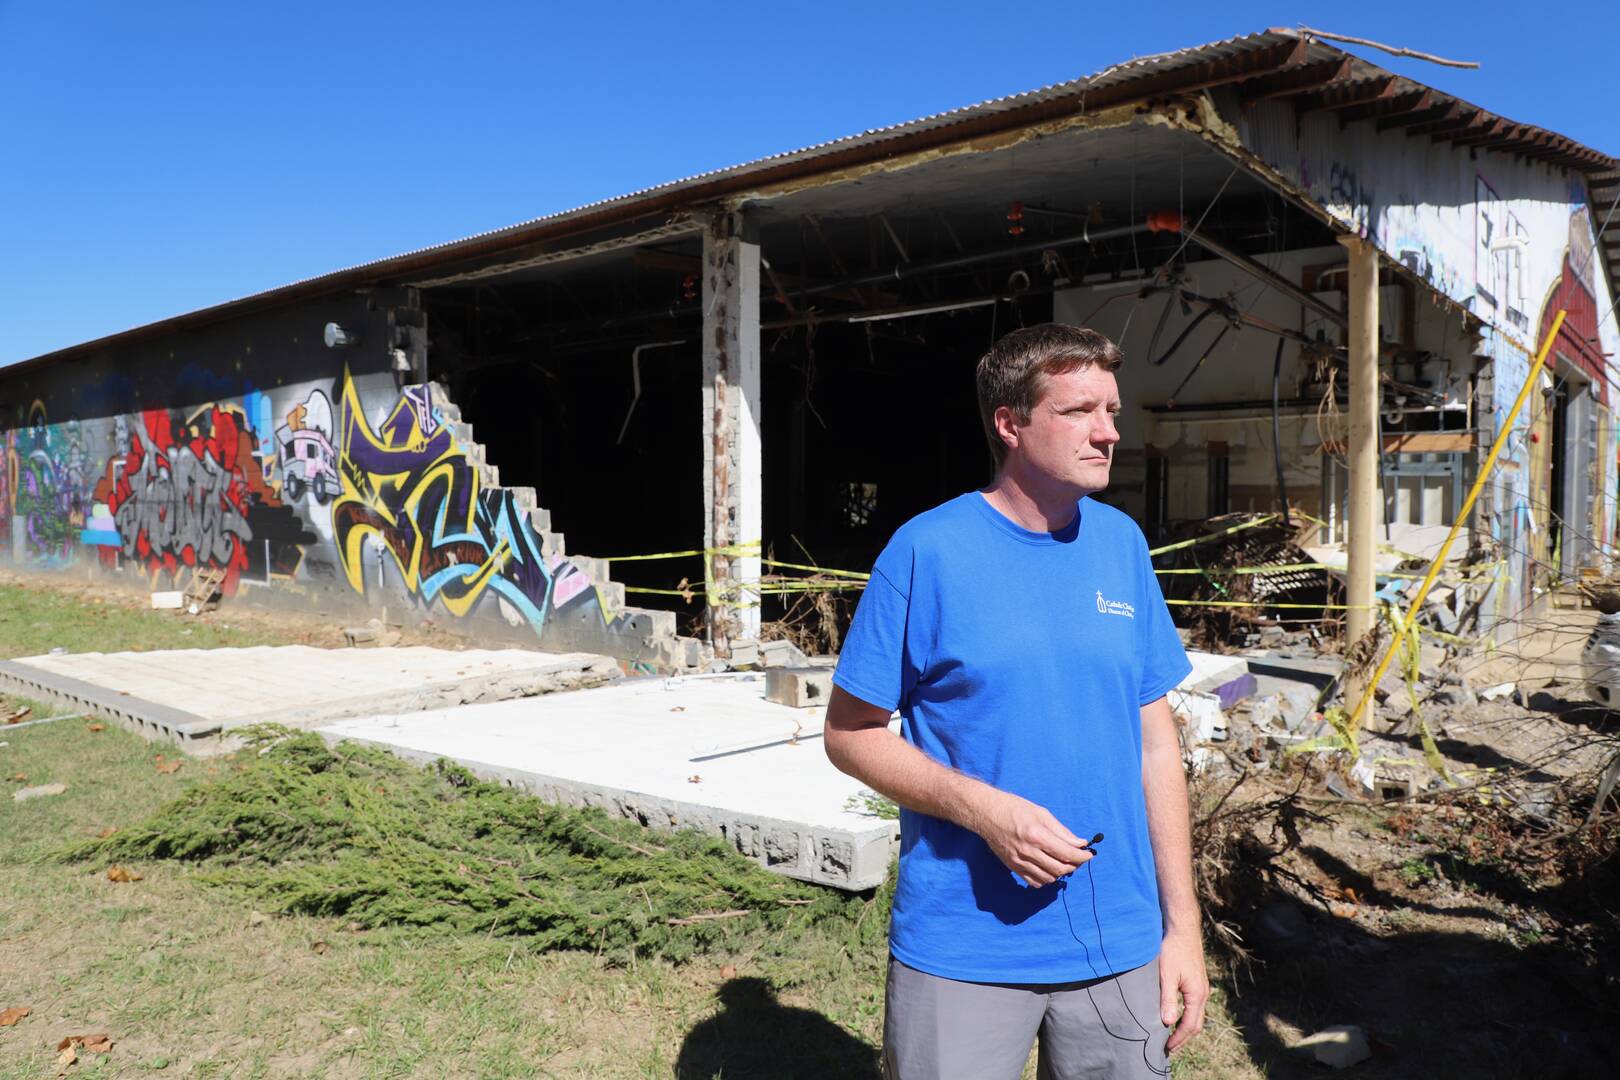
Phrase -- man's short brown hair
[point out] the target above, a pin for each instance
(1014, 372)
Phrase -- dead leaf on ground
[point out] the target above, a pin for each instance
(729, 971)
(64, 1059)
(90, 1044)
(10, 1016)
(16, 717)
(96, 727)
(168, 766)
(119, 873)
(21, 777)
(320, 947)
(108, 831)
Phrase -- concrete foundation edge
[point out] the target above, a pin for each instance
(195, 734)
(841, 858)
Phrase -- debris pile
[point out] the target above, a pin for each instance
(1230, 576)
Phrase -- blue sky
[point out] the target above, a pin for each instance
(166, 156)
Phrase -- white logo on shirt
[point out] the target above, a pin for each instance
(1114, 607)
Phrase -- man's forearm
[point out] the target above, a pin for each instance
(1164, 785)
(892, 767)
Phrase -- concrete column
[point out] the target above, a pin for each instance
(1363, 532)
(732, 459)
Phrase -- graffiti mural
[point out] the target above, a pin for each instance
(355, 489)
(307, 459)
(188, 491)
(48, 483)
(409, 489)
(8, 484)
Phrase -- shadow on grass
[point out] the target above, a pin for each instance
(756, 1036)
(1433, 1003)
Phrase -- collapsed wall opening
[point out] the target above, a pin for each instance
(602, 437)
(583, 372)
(868, 425)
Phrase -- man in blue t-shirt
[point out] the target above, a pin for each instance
(1045, 888)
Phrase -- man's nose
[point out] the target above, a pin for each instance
(1107, 432)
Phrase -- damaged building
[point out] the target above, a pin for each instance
(1329, 281)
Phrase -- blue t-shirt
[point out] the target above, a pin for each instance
(1021, 659)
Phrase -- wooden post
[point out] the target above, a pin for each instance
(732, 458)
(1365, 394)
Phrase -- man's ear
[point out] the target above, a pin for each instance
(1007, 424)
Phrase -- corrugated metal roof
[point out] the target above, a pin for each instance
(1197, 67)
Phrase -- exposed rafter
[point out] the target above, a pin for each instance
(1460, 119)
(1346, 94)
(1418, 116)
(1397, 105)
(1294, 80)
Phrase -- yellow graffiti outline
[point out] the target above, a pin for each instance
(441, 471)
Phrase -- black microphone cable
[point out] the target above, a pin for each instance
(1063, 891)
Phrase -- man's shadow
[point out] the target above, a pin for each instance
(754, 1035)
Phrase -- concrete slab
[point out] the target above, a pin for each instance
(195, 696)
(704, 752)
(1211, 671)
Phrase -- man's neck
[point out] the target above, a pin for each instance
(1037, 507)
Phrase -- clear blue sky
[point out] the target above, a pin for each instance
(161, 157)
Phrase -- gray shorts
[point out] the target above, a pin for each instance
(938, 1029)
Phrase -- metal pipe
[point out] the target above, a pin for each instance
(1266, 275)
(905, 270)
(635, 375)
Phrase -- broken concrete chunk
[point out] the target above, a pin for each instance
(781, 654)
(360, 635)
(1202, 714)
(1365, 776)
(1500, 690)
(24, 794)
(1339, 1046)
(1289, 710)
(798, 687)
(744, 653)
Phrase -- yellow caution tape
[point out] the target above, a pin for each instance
(752, 547)
(818, 569)
(1207, 537)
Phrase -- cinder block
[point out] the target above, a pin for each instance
(798, 687)
(168, 601)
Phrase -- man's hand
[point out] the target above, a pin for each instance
(1026, 837)
(1182, 974)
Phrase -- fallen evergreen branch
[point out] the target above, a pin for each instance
(354, 832)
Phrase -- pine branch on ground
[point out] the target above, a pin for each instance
(355, 832)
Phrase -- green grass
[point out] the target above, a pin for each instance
(183, 973)
(35, 620)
